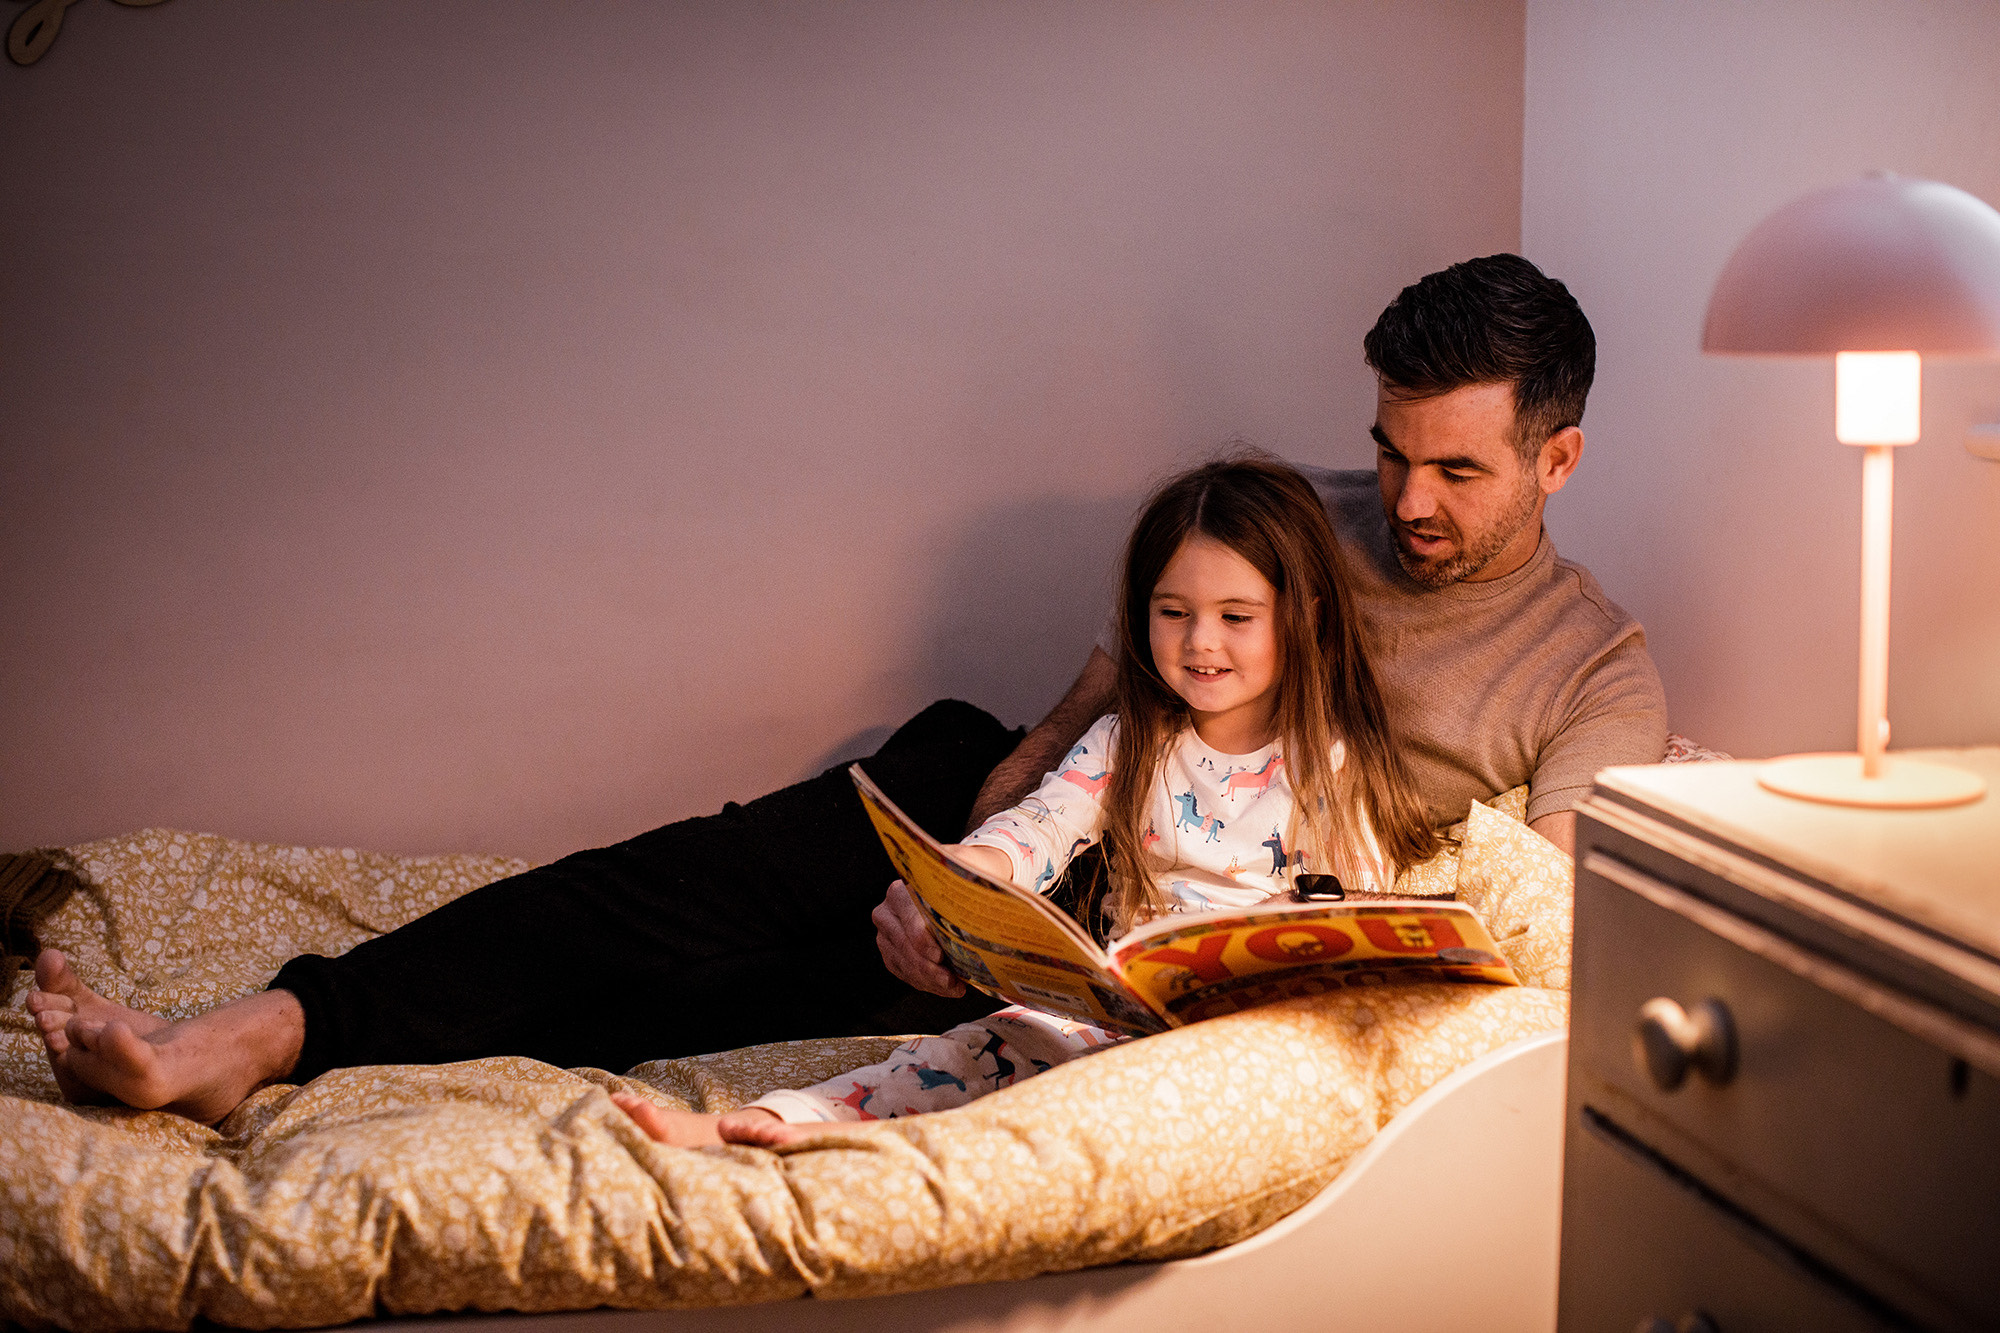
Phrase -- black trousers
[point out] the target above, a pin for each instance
(726, 930)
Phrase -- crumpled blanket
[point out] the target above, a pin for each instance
(505, 1184)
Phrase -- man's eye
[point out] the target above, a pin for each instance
(1460, 474)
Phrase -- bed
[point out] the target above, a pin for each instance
(1388, 1154)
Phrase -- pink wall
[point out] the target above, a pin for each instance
(476, 423)
(1713, 500)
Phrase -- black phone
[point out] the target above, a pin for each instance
(1318, 889)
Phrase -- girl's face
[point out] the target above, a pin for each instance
(1215, 642)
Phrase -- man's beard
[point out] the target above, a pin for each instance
(1477, 553)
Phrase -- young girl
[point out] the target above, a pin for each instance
(1250, 744)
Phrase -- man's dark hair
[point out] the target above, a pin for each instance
(1497, 320)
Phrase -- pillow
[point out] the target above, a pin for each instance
(1438, 877)
(1524, 887)
(1683, 750)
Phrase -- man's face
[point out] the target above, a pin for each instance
(1460, 502)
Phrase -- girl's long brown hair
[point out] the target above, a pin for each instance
(1270, 515)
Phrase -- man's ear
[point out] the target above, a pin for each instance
(1559, 457)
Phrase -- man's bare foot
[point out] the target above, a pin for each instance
(58, 989)
(689, 1129)
(60, 996)
(202, 1067)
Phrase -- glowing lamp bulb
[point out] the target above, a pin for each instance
(1876, 397)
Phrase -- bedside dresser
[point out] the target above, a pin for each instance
(1784, 1060)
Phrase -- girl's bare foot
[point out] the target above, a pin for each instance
(60, 996)
(201, 1067)
(682, 1129)
(689, 1129)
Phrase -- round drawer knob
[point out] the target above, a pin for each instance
(1668, 1041)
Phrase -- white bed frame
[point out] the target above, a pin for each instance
(1447, 1220)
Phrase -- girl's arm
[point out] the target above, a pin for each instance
(1065, 814)
(986, 860)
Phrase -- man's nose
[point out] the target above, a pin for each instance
(1416, 501)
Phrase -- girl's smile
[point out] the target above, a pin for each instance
(1215, 643)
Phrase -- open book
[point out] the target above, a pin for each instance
(1179, 969)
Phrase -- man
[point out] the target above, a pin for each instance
(1505, 663)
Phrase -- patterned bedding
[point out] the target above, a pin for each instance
(507, 1184)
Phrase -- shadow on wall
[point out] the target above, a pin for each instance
(1021, 592)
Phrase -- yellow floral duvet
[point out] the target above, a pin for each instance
(509, 1185)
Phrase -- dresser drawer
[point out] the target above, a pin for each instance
(1871, 1146)
(1641, 1241)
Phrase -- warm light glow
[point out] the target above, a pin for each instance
(1876, 396)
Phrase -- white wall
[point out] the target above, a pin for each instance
(482, 423)
(1713, 501)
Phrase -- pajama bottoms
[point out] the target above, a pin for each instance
(728, 930)
(938, 1073)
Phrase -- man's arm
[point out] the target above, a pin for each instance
(1616, 713)
(1044, 747)
(1559, 828)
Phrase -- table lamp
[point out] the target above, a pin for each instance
(1878, 273)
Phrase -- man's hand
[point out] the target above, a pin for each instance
(904, 937)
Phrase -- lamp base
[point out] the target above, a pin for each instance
(1905, 784)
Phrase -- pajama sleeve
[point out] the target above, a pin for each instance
(1061, 818)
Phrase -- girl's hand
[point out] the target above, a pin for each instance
(904, 938)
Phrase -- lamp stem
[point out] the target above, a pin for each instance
(1878, 472)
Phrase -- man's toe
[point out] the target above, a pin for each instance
(54, 974)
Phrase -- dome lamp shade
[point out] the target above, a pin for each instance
(1882, 264)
